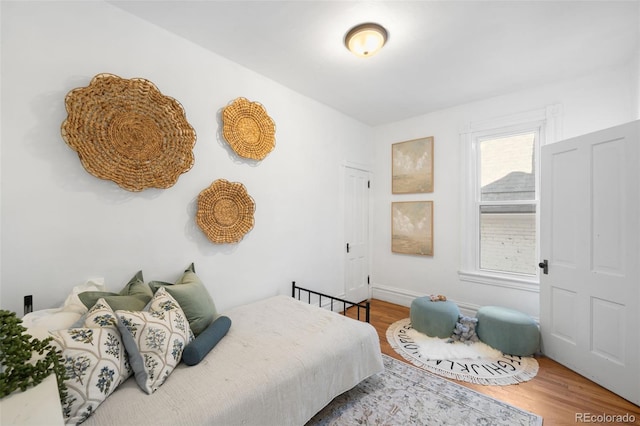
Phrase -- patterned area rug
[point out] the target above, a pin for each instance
(474, 363)
(406, 395)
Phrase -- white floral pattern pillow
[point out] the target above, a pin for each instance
(95, 361)
(154, 339)
(101, 315)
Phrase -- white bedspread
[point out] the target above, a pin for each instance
(280, 363)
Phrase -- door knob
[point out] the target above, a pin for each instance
(544, 265)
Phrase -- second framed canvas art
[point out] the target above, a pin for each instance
(412, 166)
(412, 227)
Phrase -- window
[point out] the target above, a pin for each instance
(501, 198)
(507, 203)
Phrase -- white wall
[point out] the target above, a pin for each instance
(590, 103)
(61, 226)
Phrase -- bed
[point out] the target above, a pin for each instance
(280, 363)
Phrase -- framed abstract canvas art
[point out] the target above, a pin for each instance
(412, 166)
(412, 227)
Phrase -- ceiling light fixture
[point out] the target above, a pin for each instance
(365, 39)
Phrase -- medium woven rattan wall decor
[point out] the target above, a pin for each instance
(248, 129)
(225, 211)
(126, 131)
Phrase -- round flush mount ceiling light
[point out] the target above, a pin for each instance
(365, 39)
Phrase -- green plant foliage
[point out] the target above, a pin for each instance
(16, 350)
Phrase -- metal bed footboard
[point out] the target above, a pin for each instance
(362, 306)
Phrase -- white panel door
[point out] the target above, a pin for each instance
(356, 234)
(590, 239)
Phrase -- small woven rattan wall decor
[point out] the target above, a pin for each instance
(225, 211)
(126, 131)
(248, 129)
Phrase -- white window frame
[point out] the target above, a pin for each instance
(546, 122)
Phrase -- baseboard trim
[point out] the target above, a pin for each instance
(404, 297)
(393, 295)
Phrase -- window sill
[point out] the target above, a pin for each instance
(523, 284)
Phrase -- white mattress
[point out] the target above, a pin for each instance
(280, 363)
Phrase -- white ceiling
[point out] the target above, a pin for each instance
(439, 53)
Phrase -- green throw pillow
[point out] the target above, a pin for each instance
(193, 298)
(133, 297)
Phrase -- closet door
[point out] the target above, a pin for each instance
(356, 234)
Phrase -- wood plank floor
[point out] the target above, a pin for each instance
(556, 393)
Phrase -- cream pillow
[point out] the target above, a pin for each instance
(154, 339)
(95, 361)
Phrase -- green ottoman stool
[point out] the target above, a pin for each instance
(435, 319)
(509, 331)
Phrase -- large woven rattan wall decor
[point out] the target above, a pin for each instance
(225, 211)
(126, 131)
(248, 129)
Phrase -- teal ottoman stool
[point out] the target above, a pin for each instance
(435, 319)
(509, 331)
